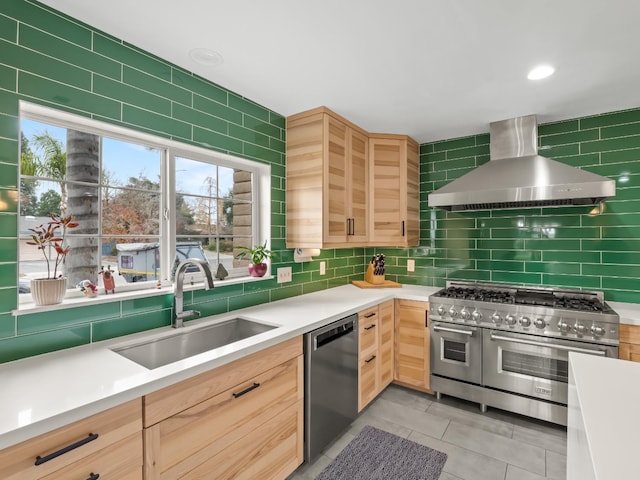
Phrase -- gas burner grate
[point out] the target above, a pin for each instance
(581, 304)
(524, 296)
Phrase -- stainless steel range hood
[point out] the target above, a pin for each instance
(517, 177)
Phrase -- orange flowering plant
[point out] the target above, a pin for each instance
(53, 236)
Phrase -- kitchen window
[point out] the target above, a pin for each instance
(143, 203)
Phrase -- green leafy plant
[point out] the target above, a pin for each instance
(52, 237)
(258, 253)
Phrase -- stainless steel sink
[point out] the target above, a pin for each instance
(162, 351)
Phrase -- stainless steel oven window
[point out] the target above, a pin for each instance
(535, 365)
(455, 351)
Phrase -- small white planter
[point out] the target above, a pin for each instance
(48, 291)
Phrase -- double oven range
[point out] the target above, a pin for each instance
(508, 347)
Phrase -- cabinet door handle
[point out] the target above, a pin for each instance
(93, 476)
(371, 359)
(426, 319)
(373, 325)
(246, 390)
(403, 228)
(348, 226)
(369, 315)
(40, 460)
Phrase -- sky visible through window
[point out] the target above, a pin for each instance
(124, 160)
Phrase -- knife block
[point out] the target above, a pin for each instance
(369, 277)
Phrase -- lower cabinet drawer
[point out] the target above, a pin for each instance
(368, 378)
(270, 452)
(176, 446)
(69, 444)
(120, 460)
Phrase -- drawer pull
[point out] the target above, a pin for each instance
(369, 315)
(370, 327)
(93, 476)
(371, 359)
(40, 460)
(246, 390)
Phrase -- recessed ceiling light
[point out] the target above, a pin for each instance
(206, 57)
(541, 71)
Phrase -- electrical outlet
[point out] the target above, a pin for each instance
(323, 268)
(411, 265)
(284, 274)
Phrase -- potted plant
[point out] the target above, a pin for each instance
(258, 255)
(50, 239)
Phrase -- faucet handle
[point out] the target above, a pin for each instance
(189, 313)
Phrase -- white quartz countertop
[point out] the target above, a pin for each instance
(608, 396)
(41, 393)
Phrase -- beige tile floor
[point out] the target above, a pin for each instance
(496, 445)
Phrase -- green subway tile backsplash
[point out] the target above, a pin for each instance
(39, 16)
(130, 324)
(35, 322)
(21, 346)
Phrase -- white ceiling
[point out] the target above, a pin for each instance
(430, 69)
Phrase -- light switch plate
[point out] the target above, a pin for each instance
(411, 265)
(323, 268)
(284, 274)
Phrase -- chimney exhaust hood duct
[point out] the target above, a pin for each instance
(517, 177)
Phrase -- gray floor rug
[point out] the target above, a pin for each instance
(376, 455)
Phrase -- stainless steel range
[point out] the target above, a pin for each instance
(508, 347)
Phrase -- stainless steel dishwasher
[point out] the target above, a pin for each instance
(331, 383)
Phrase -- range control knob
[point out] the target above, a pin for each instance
(453, 312)
(597, 331)
(510, 320)
(477, 315)
(525, 322)
(465, 314)
(540, 323)
(580, 329)
(563, 326)
(441, 310)
(497, 319)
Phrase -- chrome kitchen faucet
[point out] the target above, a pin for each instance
(178, 302)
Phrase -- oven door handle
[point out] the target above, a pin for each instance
(438, 328)
(548, 345)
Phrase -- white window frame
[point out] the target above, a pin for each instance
(170, 149)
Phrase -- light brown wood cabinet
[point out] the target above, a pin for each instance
(241, 420)
(629, 348)
(346, 187)
(412, 344)
(108, 444)
(327, 181)
(394, 181)
(375, 351)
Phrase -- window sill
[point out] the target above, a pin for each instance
(76, 299)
